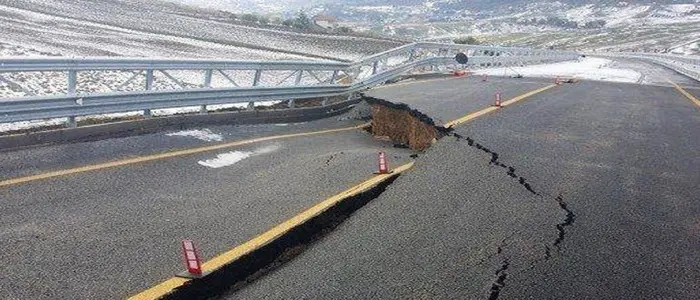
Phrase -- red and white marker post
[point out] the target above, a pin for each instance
(497, 102)
(194, 265)
(557, 81)
(382, 163)
(485, 78)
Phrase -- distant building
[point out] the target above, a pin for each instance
(326, 21)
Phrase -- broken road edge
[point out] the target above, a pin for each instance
(235, 268)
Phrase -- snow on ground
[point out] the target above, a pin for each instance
(230, 158)
(201, 134)
(143, 28)
(688, 49)
(617, 15)
(590, 68)
(80, 38)
(681, 8)
(24, 125)
(580, 14)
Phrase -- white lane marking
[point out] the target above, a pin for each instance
(203, 134)
(230, 158)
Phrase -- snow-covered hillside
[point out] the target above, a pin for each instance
(162, 29)
(574, 24)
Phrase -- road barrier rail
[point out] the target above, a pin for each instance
(97, 86)
(686, 65)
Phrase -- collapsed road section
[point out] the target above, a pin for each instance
(398, 123)
(233, 270)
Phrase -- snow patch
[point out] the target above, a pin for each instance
(25, 125)
(203, 134)
(591, 68)
(230, 158)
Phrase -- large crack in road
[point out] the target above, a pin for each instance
(500, 282)
(494, 161)
(408, 127)
(510, 171)
(569, 220)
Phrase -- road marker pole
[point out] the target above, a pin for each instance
(192, 261)
(498, 100)
(382, 163)
(485, 78)
(557, 81)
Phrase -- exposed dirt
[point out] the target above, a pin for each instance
(402, 125)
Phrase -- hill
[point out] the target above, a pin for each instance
(164, 29)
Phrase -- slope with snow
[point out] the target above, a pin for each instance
(156, 28)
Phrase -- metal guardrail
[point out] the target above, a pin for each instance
(686, 65)
(146, 84)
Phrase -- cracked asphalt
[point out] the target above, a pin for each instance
(114, 232)
(587, 190)
(616, 170)
(450, 98)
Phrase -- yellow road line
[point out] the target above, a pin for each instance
(271, 235)
(248, 247)
(148, 158)
(490, 109)
(685, 93)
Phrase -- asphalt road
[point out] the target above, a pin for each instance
(694, 91)
(111, 233)
(611, 212)
(624, 158)
(653, 74)
(450, 98)
(37, 160)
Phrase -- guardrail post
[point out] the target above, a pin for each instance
(207, 84)
(72, 82)
(335, 74)
(72, 86)
(207, 78)
(149, 86)
(300, 73)
(256, 79)
(149, 80)
(72, 123)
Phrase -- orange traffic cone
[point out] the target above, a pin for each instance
(382, 163)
